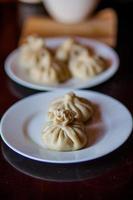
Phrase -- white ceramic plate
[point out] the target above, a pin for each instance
(16, 74)
(21, 128)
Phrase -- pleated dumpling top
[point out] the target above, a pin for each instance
(82, 107)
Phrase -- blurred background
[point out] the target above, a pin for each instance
(14, 13)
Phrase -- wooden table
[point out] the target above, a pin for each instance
(110, 177)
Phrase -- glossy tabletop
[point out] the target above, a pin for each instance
(109, 177)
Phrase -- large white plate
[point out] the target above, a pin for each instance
(21, 128)
(16, 74)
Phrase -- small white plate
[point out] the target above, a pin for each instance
(22, 124)
(15, 72)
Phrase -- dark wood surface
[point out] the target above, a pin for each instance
(110, 177)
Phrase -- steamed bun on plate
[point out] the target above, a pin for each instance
(63, 132)
(82, 107)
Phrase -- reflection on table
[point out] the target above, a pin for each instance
(64, 172)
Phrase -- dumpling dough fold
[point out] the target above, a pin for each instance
(63, 132)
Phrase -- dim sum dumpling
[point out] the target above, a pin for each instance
(63, 133)
(30, 52)
(55, 73)
(77, 50)
(63, 51)
(81, 106)
(86, 66)
(40, 65)
(50, 74)
(43, 61)
(45, 58)
(35, 43)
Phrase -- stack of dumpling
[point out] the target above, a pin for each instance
(82, 63)
(40, 64)
(65, 129)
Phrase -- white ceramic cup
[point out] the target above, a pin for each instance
(70, 11)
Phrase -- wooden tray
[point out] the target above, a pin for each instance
(102, 27)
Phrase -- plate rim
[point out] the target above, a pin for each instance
(64, 161)
(106, 75)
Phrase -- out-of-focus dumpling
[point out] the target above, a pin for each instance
(81, 106)
(55, 73)
(62, 132)
(45, 58)
(39, 63)
(78, 50)
(36, 71)
(63, 51)
(52, 71)
(30, 52)
(86, 66)
(50, 74)
(35, 43)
